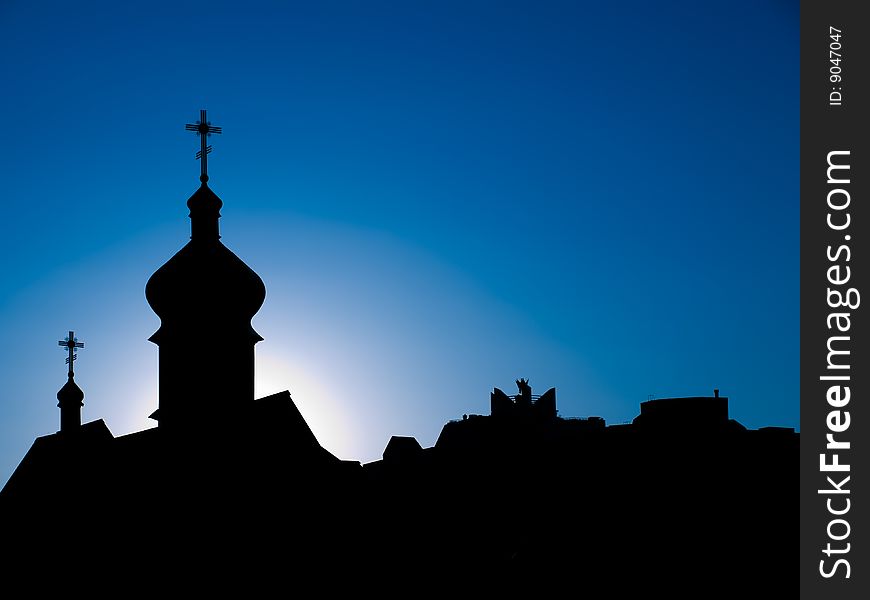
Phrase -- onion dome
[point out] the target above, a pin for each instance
(70, 395)
(70, 400)
(205, 284)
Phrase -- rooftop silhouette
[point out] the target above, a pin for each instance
(682, 495)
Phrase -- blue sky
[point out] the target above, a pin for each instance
(441, 197)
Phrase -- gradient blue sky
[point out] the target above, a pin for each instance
(440, 197)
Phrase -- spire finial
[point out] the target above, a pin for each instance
(70, 396)
(203, 129)
(72, 344)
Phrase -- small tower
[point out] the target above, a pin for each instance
(205, 297)
(70, 398)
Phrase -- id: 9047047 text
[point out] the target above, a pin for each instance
(835, 70)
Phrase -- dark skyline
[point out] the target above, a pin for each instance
(604, 200)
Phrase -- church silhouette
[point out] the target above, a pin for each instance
(229, 488)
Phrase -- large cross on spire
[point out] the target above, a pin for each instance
(203, 129)
(71, 344)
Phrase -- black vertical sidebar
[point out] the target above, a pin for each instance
(835, 300)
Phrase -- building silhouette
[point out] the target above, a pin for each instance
(229, 488)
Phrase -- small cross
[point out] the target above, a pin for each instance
(71, 344)
(203, 129)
